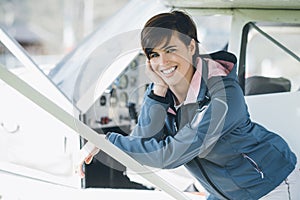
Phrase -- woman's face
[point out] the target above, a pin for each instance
(173, 61)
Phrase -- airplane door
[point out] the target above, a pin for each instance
(33, 144)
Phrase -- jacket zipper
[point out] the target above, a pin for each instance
(209, 181)
(254, 164)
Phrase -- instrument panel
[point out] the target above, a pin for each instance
(118, 105)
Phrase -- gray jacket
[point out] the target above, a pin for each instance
(214, 137)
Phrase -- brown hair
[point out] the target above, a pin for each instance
(161, 27)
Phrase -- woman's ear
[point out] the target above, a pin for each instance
(192, 47)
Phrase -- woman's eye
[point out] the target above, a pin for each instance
(171, 50)
(153, 55)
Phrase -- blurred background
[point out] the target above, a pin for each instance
(50, 29)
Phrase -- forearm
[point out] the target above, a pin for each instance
(170, 152)
(152, 117)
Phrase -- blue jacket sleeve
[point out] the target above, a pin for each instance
(151, 119)
(197, 137)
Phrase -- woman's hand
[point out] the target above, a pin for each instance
(86, 155)
(160, 87)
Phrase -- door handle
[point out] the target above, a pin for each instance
(15, 130)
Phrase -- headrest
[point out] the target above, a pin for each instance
(264, 85)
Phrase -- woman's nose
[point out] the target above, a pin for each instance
(164, 59)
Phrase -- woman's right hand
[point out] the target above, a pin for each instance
(160, 87)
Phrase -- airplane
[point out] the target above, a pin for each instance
(46, 118)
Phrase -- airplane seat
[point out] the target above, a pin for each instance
(263, 85)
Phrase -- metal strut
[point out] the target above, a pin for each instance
(97, 139)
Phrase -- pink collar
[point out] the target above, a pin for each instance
(215, 68)
(195, 84)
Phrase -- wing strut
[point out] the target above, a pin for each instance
(87, 133)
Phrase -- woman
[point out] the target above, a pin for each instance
(194, 114)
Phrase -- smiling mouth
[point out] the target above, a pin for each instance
(169, 71)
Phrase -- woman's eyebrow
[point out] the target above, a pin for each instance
(168, 47)
(163, 48)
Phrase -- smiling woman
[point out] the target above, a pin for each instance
(194, 114)
(173, 57)
(195, 127)
(173, 65)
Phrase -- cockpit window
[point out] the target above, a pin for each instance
(272, 55)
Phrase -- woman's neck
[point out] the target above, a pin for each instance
(180, 93)
(181, 89)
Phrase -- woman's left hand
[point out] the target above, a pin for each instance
(86, 155)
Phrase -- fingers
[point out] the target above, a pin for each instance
(79, 170)
(153, 75)
(89, 159)
(85, 155)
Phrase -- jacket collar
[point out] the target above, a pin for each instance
(197, 87)
(195, 84)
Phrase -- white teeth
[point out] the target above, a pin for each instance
(168, 71)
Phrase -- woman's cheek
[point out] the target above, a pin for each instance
(154, 66)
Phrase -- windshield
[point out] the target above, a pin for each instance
(119, 36)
